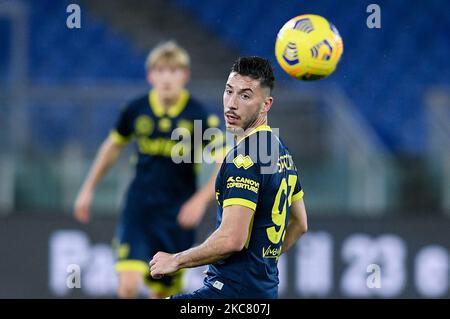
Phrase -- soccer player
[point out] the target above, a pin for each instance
(162, 206)
(261, 212)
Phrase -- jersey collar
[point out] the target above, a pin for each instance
(174, 110)
(260, 128)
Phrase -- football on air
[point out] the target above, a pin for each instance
(308, 47)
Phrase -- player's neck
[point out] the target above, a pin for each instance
(167, 102)
(259, 122)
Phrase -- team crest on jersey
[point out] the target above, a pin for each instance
(243, 161)
(144, 125)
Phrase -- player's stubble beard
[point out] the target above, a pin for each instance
(251, 121)
(239, 132)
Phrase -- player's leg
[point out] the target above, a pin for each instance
(166, 286)
(131, 252)
(131, 272)
(169, 237)
(129, 283)
(163, 240)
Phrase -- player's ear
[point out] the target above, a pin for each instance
(268, 101)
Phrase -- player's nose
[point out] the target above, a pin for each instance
(230, 103)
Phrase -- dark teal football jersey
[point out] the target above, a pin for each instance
(162, 179)
(258, 173)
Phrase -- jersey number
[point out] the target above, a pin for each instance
(279, 217)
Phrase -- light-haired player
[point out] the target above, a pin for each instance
(162, 206)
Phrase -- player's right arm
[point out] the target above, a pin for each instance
(106, 157)
(297, 225)
(231, 236)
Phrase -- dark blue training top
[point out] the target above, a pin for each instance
(162, 178)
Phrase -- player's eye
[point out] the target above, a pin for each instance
(228, 91)
(245, 96)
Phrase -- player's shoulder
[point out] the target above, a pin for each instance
(141, 100)
(263, 138)
(260, 149)
(200, 110)
(196, 108)
(194, 105)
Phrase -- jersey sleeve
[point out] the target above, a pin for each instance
(298, 190)
(123, 129)
(241, 182)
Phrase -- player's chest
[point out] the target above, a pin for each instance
(146, 124)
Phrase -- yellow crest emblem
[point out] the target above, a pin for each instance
(243, 161)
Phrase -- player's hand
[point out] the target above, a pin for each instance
(161, 264)
(82, 205)
(192, 211)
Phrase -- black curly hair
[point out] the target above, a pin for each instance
(257, 68)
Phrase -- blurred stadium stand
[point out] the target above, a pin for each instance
(358, 136)
(383, 71)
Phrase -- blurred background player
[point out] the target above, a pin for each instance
(260, 215)
(162, 206)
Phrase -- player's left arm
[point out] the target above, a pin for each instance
(297, 225)
(230, 237)
(192, 211)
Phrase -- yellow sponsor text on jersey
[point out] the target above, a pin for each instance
(156, 146)
(244, 183)
(285, 162)
(243, 161)
(270, 252)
